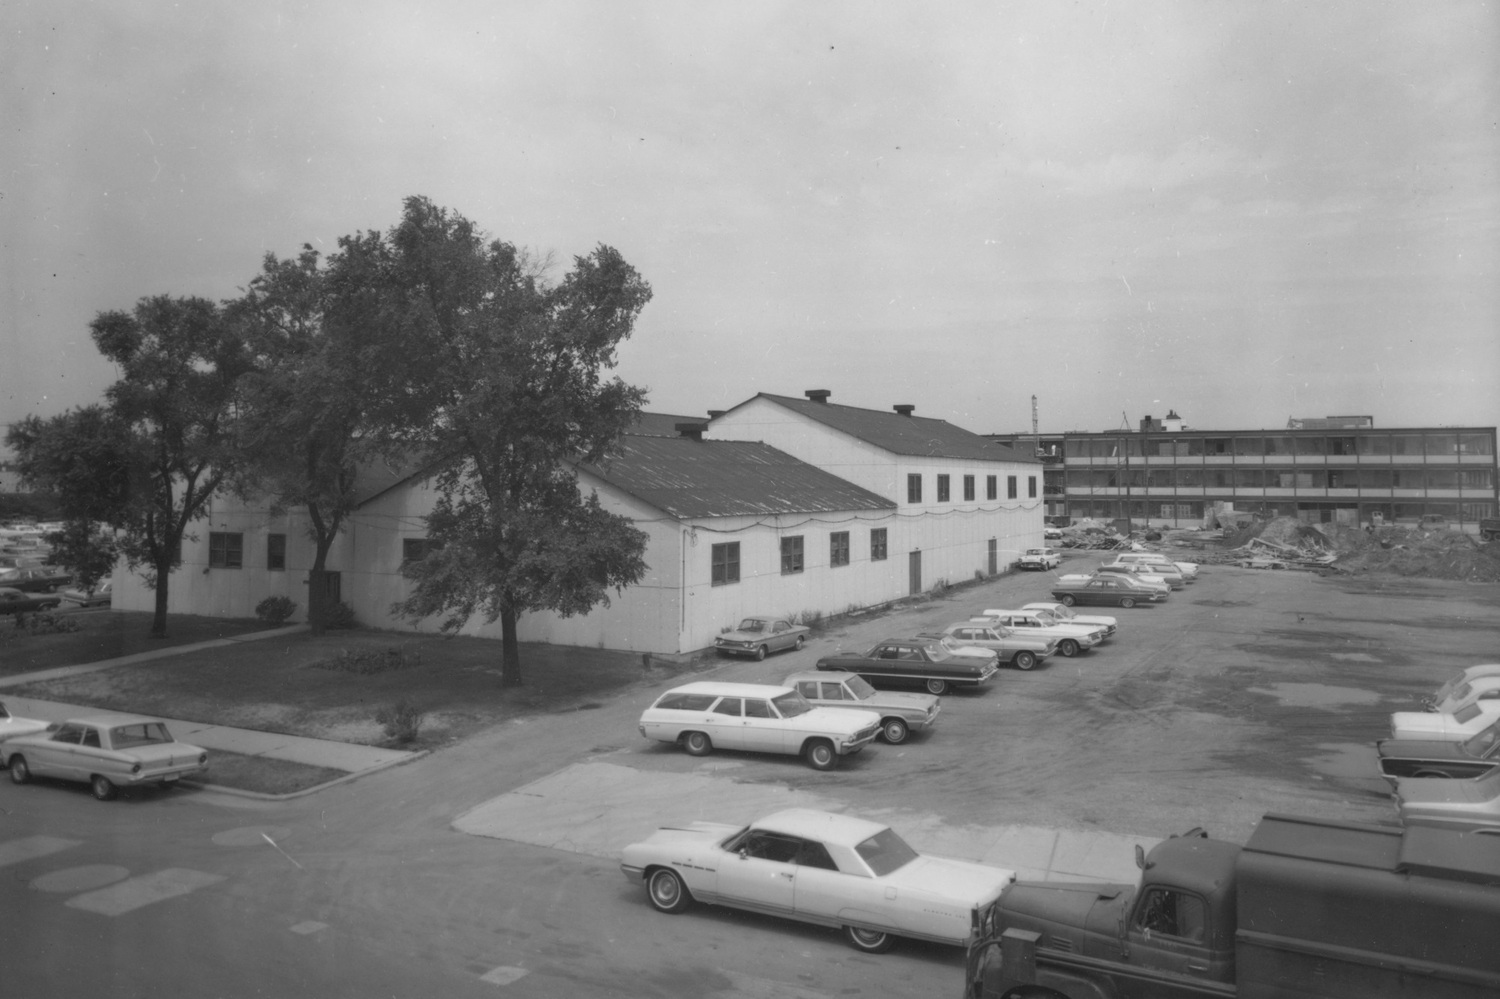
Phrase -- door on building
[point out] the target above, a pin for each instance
(914, 561)
(994, 556)
(323, 593)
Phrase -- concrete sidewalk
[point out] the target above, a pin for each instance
(348, 757)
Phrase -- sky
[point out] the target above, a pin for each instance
(1241, 212)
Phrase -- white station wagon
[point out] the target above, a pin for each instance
(757, 718)
(817, 867)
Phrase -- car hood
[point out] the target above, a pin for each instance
(12, 727)
(691, 834)
(1437, 726)
(958, 881)
(844, 721)
(746, 636)
(889, 699)
(1462, 795)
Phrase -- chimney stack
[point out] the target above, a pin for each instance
(714, 414)
(905, 409)
(692, 430)
(818, 395)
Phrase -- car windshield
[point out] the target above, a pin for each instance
(944, 650)
(791, 704)
(885, 852)
(1462, 692)
(754, 625)
(860, 688)
(1486, 743)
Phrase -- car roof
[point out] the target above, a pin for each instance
(721, 689)
(831, 675)
(826, 827)
(110, 720)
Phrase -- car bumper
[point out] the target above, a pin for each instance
(168, 776)
(632, 874)
(737, 648)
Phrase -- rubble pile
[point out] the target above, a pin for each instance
(1288, 543)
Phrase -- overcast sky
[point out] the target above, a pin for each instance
(1244, 212)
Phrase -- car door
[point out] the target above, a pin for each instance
(762, 874)
(781, 636)
(57, 757)
(726, 723)
(763, 729)
(826, 893)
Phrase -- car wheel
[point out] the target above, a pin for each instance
(894, 730)
(1024, 659)
(697, 744)
(801, 640)
(667, 892)
(1068, 647)
(1068, 600)
(939, 687)
(102, 788)
(20, 773)
(820, 755)
(760, 652)
(1127, 602)
(869, 941)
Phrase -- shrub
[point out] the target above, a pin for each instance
(45, 623)
(366, 662)
(812, 618)
(401, 722)
(341, 615)
(274, 610)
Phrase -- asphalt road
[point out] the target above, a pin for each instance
(1250, 691)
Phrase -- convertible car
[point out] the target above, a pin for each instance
(757, 636)
(1473, 757)
(926, 661)
(105, 752)
(817, 867)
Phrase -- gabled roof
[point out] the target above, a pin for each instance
(379, 475)
(917, 436)
(690, 478)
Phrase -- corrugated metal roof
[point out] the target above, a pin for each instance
(909, 435)
(691, 478)
(662, 424)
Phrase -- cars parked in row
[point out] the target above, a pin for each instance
(756, 637)
(821, 868)
(13, 601)
(1014, 649)
(927, 662)
(760, 718)
(1070, 638)
(105, 752)
(1108, 591)
(1472, 757)
(1462, 676)
(1467, 716)
(901, 712)
(1188, 570)
(1143, 574)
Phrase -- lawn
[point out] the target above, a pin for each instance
(105, 634)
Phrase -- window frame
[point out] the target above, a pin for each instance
(1031, 487)
(838, 548)
(992, 487)
(793, 555)
(944, 491)
(913, 487)
(969, 492)
(276, 552)
(1011, 489)
(879, 544)
(226, 549)
(725, 570)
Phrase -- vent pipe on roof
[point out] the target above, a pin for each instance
(818, 395)
(692, 430)
(905, 409)
(714, 414)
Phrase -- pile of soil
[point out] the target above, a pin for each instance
(1401, 551)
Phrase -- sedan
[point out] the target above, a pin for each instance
(1473, 757)
(105, 752)
(99, 596)
(1019, 650)
(37, 579)
(1067, 614)
(901, 712)
(1452, 804)
(924, 661)
(706, 715)
(1103, 590)
(13, 601)
(1039, 558)
(1070, 638)
(757, 636)
(821, 868)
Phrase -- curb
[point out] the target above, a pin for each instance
(347, 778)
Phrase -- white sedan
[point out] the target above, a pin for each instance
(817, 867)
(1070, 638)
(1068, 615)
(1442, 727)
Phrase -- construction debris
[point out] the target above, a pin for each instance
(1288, 543)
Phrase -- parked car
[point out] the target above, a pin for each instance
(1103, 590)
(757, 718)
(1482, 688)
(1189, 570)
(901, 712)
(1137, 575)
(1462, 676)
(1065, 613)
(1473, 757)
(757, 636)
(1452, 804)
(1071, 639)
(1039, 558)
(105, 752)
(1014, 649)
(36, 579)
(1435, 726)
(1052, 532)
(13, 601)
(11, 726)
(821, 868)
(19, 562)
(924, 661)
(99, 596)
(1149, 570)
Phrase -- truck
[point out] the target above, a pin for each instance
(1307, 909)
(1489, 528)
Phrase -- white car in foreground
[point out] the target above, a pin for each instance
(757, 718)
(1443, 727)
(817, 867)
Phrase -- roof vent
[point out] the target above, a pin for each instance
(693, 430)
(818, 395)
(714, 414)
(905, 408)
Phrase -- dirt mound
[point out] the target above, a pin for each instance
(1427, 554)
(1282, 531)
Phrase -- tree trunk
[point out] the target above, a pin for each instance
(317, 589)
(510, 649)
(159, 617)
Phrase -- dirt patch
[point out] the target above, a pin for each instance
(108, 635)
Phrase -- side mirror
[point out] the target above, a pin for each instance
(1140, 856)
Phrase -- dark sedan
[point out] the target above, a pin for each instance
(13, 601)
(1473, 757)
(1104, 590)
(916, 661)
(36, 579)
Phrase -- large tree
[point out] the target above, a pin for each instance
(161, 445)
(504, 385)
(303, 408)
